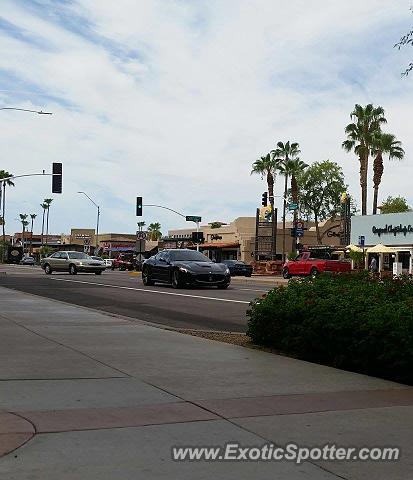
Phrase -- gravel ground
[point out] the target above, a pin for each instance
(240, 339)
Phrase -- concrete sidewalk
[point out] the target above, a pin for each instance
(88, 395)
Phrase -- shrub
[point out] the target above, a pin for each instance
(349, 321)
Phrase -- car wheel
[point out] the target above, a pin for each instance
(47, 269)
(223, 287)
(286, 274)
(176, 279)
(146, 278)
(99, 272)
(314, 272)
(72, 269)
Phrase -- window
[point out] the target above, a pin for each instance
(78, 256)
(187, 255)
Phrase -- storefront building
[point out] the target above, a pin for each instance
(393, 230)
(236, 240)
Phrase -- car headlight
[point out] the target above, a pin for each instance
(227, 272)
(183, 269)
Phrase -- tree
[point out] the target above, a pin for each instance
(24, 222)
(395, 205)
(406, 40)
(47, 202)
(3, 185)
(383, 143)
(216, 224)
(296, 168)
(284, 153)
(154, 231)
(32, 217)
(266, 166)
(366, 124)
(44, 207)
(319, 190)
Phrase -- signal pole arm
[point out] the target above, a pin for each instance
(166, 208)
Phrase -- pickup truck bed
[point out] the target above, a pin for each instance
(305, 265)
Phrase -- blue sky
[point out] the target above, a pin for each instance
(174, 100)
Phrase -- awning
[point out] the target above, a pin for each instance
(354, 248)
(380, 248)
(219, 245)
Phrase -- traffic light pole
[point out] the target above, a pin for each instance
(180, 214)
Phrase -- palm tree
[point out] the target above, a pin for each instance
(383, 143)
(154, 230)
(296, 168)
(44, 207)
(47, 202)
(32, 216)
(267, 167)
(285, 155)
(8, 183)
(24, 222)
(360, 137)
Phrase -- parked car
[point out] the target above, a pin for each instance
(27, 261)
(237, 267)
(180, 267)
(124, 261)
(71, 262)
(308, 264)
(98, 259)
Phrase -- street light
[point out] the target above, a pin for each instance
(97, 221)
(40, 112)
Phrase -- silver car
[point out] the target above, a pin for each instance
(71, 262)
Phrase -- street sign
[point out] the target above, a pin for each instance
(140, 235)
(292, 206)
(192, 218)
(299, 229)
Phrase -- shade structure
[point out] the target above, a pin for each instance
(354, 248)
(380, 248)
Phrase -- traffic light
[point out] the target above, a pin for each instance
(138, 206)
(57, 177)
(264, 201)
(198, 237)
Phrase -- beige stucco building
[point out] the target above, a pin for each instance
(236, 240)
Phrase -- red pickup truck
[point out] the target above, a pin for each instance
(307, 264)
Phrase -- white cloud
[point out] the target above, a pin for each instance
(175, 100)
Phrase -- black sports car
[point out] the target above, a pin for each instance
(236, 267)
(182, 267)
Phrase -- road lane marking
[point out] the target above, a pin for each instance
(151, 291)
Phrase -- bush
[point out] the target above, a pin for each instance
(349, 321)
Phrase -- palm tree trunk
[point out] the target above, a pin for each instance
(3, 211)
(270, 182)
(47, 225)
(284, 211)
(31, 238)
(44, 210)
(378, 169)
(363, 183)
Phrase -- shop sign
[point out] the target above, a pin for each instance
(392, 230)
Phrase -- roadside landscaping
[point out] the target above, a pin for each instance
(349, 321)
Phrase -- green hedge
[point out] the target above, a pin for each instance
(348, 321)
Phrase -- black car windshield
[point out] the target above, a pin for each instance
(188, 256)
(78, 256)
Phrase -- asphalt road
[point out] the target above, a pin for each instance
(123, 293)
